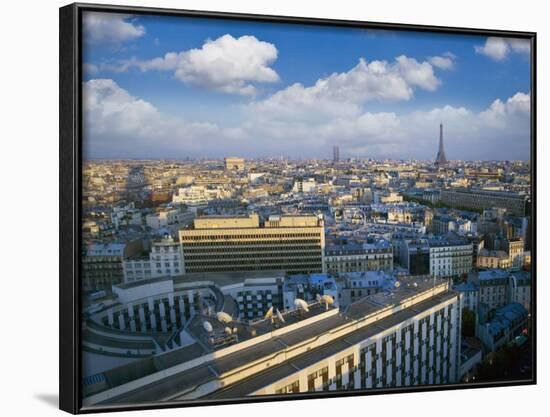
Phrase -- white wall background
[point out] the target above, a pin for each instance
(29, 203)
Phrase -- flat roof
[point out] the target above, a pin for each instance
(223, 279)
(272, 375)
(210, 370)
(139, 283)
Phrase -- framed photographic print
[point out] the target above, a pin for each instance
(260, 208)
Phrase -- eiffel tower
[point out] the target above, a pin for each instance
(440, 159)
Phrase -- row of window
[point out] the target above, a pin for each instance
(256, 237)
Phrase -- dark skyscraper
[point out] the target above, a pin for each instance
(440, 159)
(336, 154)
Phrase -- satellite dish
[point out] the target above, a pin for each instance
(207, 326)
(327, 299)
(280, 316)
(299, 303)
(269, 313)
(224, 317)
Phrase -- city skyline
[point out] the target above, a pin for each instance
(177, 88)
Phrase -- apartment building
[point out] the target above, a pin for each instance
(102, 263)
(164, 261)
(450, 257)
(377, 256)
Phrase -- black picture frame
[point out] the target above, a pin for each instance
(70, 127)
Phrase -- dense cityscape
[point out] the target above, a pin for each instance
(274, 208)
(223, 278)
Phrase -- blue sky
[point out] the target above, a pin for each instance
(263, 89)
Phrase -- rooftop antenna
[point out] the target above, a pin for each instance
(328, 300)
(301, 304)
(269, 314)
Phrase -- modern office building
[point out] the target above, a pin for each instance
(414, 255)
(292, 243)
(515, 204)
(406, 337)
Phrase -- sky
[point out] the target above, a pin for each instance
(161, 87)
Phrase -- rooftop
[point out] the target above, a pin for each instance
(506, 317)
(315, 355)
(491, 274)
(299, 327)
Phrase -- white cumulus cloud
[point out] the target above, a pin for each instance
(101, 28)
(226, 64)
(342, 94)
(416, 73)
(503, 114)
(119, 124)
(444, 62)
(498, 49)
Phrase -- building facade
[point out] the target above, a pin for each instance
(417, 352)
(515, 204)
(515, 252)
(294, 244)
(493, 288)
(258, 295)
(164, 261)
(376, 256)
(492, 259)
(414, 255)
(410, 337)
(102, 264)
(450, 258)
